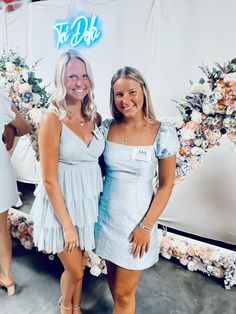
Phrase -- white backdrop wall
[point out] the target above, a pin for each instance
(167, 40)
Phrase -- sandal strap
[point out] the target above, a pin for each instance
(63, 307)
(76, 307)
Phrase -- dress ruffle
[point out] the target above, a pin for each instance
(81, 187)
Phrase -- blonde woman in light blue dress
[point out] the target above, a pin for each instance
(66, 206)
(8, 195)
(136, 146)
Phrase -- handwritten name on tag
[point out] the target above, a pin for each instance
(142, 154)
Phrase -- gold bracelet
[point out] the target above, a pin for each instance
(144, 228)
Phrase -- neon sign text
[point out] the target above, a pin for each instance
(83, 31)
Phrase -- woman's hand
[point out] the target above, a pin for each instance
(140, 240)
(71, 239)
(9, 136)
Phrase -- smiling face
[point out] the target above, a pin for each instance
(76, 81)
(128, 97)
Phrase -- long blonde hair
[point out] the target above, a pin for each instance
(134, 74)
(58, 99)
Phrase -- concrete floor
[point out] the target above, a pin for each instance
(166, 288)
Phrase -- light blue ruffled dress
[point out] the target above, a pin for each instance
(8, 194)
(80, 179)
(127, 194)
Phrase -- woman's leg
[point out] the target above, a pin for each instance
(111, 275)
(5, 251)
(123, 284)
(71, 279)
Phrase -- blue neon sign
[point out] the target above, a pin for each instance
(83, 31)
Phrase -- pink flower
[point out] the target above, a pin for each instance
(14, 220)
(30, 230)
(213, 136)
(166, 244)
(194, 162)
(183, 260)
(190, 250)
(24, 88)
(202, 252)
(22, 227)
(192, 125)
(218, 272)
(10, 67)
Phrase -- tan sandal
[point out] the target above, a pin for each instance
(10, 289)
(76, 308)
(63, 307)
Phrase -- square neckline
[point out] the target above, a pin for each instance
(147, 146)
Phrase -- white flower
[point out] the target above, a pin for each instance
(230, 77)
(200, 88)
(196, 116)
(213, 136)
(36, 99)
(197, 151)
(210, 268)
(227, 122)
(27, 105)
(24, 88)
(25, 75)
(182, 247)
(206, 108)
(218, 95)
(95, 271)
(166, 255)
(214, 256)
(95, 260)
(28, 245)
(187, 134)
(22, 241)
(36, 114)
(10, 67)
(192, 266)
(2, 81)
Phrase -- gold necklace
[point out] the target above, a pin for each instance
(125, 138)
(81, 122)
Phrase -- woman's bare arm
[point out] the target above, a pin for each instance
(21, 125)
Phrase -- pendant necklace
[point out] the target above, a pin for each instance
(81, 122)
(125, 138)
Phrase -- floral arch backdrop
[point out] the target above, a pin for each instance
(208, 112)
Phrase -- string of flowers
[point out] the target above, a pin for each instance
(24, 89)
(208, 112)
(200, 256)
(21, 227)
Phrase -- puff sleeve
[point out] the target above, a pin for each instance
(167, 142)
(104, 127)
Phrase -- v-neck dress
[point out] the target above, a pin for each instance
(127, 195)
(8, 194)
(80, 180)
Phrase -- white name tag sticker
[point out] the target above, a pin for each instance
(98, 134)
(141, 154)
